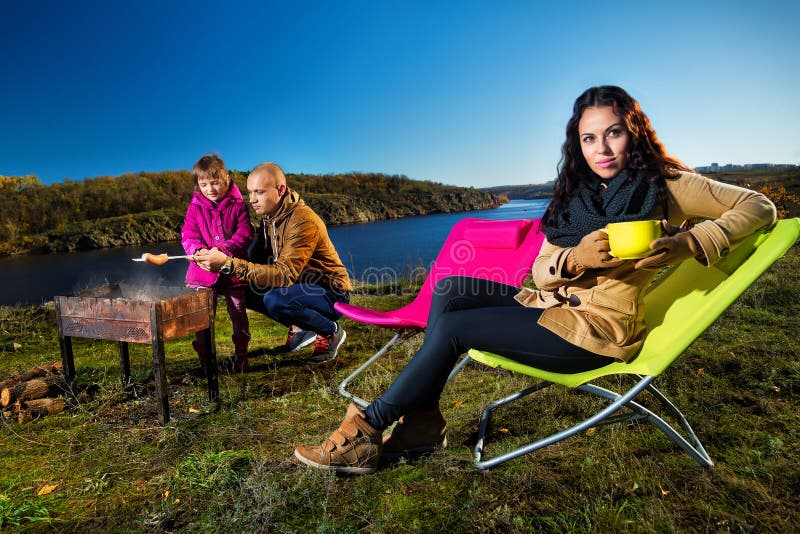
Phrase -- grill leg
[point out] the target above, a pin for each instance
(65, 343)
(124, 362)
(67, 359)
(159, 364)
(160, 376)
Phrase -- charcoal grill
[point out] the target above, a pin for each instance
(127, 314)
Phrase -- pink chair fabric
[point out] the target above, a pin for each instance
(502, 251)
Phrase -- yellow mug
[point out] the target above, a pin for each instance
(631, 240)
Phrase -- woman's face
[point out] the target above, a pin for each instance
(604, 141)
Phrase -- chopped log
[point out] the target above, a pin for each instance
(33, 389)
(37, 408)
(36, 372)
(45, 406)
(10, 347)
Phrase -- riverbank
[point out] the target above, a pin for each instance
(106, 464)
(165, 225)
(149, 207)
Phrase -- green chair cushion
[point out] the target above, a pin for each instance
(680, 305)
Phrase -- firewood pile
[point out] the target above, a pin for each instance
(33, 394)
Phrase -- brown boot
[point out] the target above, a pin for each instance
(415, 433)
(354, 447)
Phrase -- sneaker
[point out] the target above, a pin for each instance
(416, 433)
(326, 347)
(296, 339)
(353, 448)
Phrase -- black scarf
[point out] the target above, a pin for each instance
(595, 206)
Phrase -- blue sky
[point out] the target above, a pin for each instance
(466, 93)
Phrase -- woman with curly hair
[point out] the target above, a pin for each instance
(586, 310)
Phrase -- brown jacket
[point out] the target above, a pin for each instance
(300, 251)
(601, 309)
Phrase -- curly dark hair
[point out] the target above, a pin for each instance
(646, 153)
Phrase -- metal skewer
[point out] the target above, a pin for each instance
(168, 257)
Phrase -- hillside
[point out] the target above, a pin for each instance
(149, 207)
(522, 192)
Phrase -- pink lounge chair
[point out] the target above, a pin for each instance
(502, 251)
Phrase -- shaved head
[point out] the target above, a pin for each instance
(272, 172)
(266, 186)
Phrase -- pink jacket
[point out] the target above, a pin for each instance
(225, 225)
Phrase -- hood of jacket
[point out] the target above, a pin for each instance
(232, 195)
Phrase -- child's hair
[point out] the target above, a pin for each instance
(210, 166)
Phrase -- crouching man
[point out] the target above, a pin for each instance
(294, 272)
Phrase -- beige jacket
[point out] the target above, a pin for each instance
(601, 309)
(300, 250)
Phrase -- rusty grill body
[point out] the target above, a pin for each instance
(126, 314)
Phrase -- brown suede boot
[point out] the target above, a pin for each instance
(353, 448)
(415, 433)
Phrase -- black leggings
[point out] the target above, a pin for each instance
(472, 313)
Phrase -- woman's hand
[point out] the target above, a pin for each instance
(677, 245)
(591, 253)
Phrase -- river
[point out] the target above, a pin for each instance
(396, 245)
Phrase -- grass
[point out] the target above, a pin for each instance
(228, 466)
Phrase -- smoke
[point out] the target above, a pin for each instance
(140, 290)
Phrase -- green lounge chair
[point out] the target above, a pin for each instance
(679, 306)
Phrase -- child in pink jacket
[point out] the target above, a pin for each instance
(217, 217)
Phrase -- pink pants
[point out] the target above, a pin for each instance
(234, 301)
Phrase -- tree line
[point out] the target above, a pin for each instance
(29, 208)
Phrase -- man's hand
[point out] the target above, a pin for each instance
(677, 245)
(210, 260)
(591, 253)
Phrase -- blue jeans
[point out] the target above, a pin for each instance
(471, 313)
(308, 306)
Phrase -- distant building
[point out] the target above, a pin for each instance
(716, 167)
